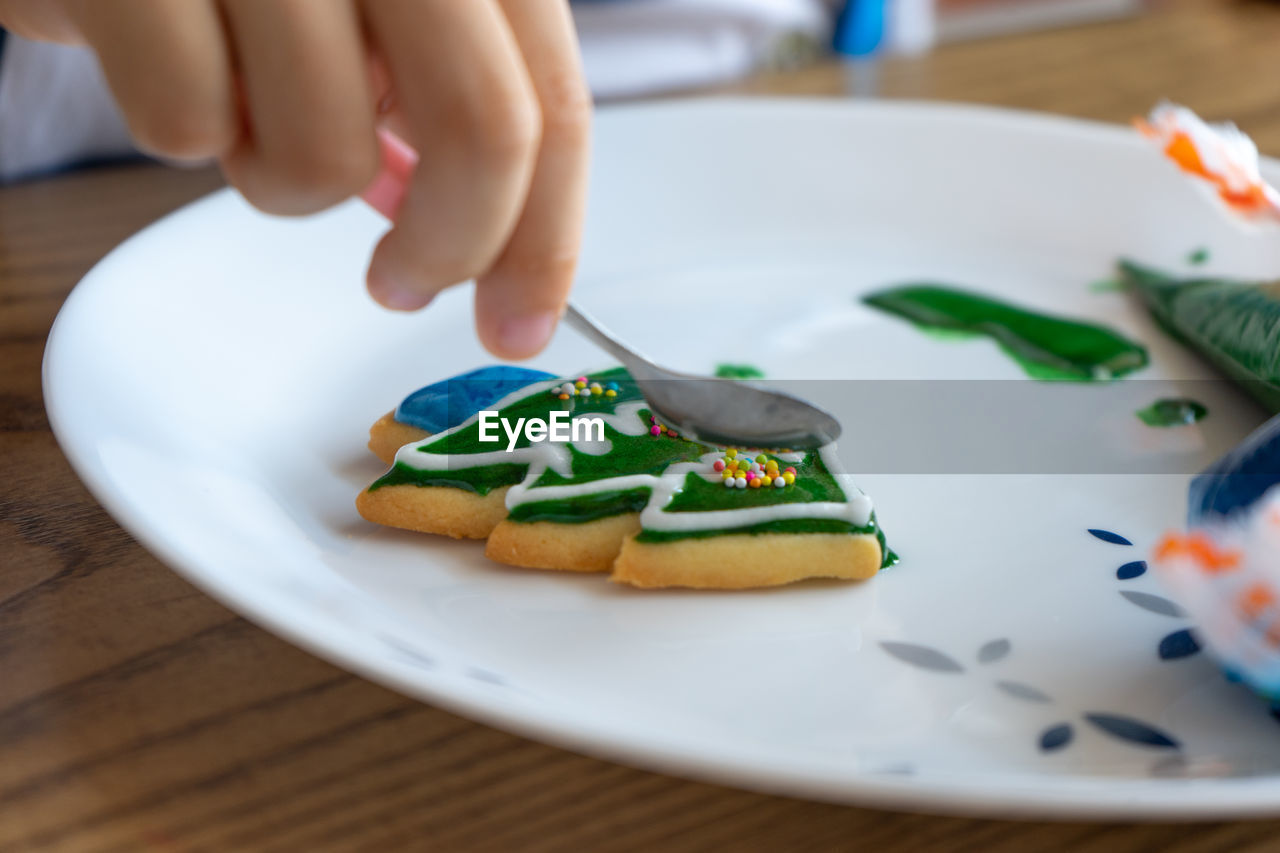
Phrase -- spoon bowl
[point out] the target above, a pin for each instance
(717, 411)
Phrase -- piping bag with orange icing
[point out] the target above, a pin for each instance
(1226, 570)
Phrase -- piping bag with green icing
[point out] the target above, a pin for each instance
(1226, 569)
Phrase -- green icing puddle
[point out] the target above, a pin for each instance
(738, 371)
(1046, 347)
(1172, 412)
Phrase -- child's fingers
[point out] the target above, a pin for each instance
(470, 111)
(520, 298)
(168, 65)
(310, 113)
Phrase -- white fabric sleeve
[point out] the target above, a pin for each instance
(55, 110)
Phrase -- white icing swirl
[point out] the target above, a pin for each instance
(555, 456)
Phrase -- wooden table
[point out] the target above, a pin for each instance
(136, 713)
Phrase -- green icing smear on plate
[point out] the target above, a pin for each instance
(738, 371)
(1044, 346)
(1172, 412)
(665, 474)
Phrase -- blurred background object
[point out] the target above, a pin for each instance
(968, 19)
(636, 47)
(55, 110)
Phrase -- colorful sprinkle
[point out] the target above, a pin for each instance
(655, 430)
(610, 393)
(755, 472)
(728, 482)
(564, 396)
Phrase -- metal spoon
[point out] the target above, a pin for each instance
(718, 411)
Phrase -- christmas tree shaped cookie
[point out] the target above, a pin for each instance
(578, 474)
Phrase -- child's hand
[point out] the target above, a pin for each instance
(287, 94)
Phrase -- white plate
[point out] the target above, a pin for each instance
(213, 380)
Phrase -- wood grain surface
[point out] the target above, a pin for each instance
(138, 714)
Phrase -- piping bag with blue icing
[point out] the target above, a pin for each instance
(1226, 569)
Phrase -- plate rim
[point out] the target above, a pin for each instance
(1004, 797)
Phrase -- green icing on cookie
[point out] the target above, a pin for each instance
(813, 483)
(465, 439)
(480, 480)
(786, 525)
(644, 455)
(804, 525)
(579, 510)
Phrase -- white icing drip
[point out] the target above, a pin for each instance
(544, 455)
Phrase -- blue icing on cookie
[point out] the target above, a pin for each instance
(451, 401)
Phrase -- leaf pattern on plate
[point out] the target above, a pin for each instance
(1154, 603)
(1108, 536)
(1179, 644)
(994, 650)
(486, 676)
(923, 657)
(1131, 730)
(1056, 737)
(1129, 571)
(408, 652)
(1018, 690)
(899, 769)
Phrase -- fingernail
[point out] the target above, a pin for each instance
(388, 293)
(524, 336)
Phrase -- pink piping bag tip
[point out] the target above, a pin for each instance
(387, 191)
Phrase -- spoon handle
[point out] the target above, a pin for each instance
(598, 335)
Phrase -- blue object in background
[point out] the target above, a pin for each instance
(1239, 478)
(448, 403)
(860, 27)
